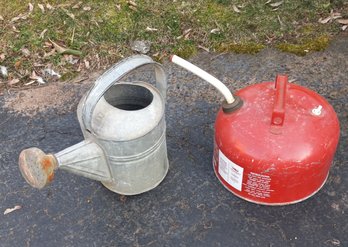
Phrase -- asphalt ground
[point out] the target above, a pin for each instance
(190, 207)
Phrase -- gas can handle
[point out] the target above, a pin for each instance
(278, 113)
(113, 75)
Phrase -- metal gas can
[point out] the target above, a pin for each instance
(277, 148)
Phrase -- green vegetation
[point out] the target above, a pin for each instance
(103, 30)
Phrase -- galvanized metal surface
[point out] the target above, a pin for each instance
(190, 207)
(124, 128)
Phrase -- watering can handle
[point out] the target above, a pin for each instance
(114, 74)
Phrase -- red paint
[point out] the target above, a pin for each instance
(284, 160)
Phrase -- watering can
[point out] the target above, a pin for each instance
(274, 141)
(124, 131)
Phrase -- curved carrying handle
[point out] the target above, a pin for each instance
(114, 74)
(278, 113)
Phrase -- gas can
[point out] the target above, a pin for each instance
(277, 148)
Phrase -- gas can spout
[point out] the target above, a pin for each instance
(205, 76)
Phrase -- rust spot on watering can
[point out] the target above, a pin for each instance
(48, 165)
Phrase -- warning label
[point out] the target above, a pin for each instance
(230, 172)
(258, 185)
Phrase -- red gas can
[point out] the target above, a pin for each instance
(277, 148)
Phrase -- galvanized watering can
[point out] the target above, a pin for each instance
(124, 129)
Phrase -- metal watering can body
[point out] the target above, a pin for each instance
(124, 128)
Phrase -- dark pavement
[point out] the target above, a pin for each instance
(190, 207)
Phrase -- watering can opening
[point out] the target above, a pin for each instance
(129, 97)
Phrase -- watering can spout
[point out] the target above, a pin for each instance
(85, 158)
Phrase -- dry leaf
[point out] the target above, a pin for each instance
(25, 52)
(41, 7)
(185, 34)
(203, 48)
(29, 83)
(49, 6)
(118, 6)
(10, 210)
(215, 31)
(51, 72)
(277, 4)
(53, 51)
(343, 21)
(150, 29)
(87, 8)
(268, 1)
(21, 16)
(324, 21)
(1, 18)
(77, 6)
(42, 34)
(13, 82)
(344, 27)
(63, 50)
(2, 57)
(18, 64)
(132, 3)
(86, 62)
(37, 78)
(31, 7)
(235, 9)
(3, 71)
(71, 15)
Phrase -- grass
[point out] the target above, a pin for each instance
(103, 30)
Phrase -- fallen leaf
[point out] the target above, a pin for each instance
(71, 15)
(150, 29)
(132, 3)
(268, 1)
(142, 46)
(51, 72)
(77, 6)
(86, 62)
(39, 79)
(344, 27)
(41, 7)
(25, 52)
(276, 4)
(203, 48)
(31, 7)
(118, 7)
(49, 6)
(343, 21)
(2, 57)
(10, 210)
(87, 8)
(215, 31)
(53, 51)
(235, 9)
(42, 34)
(1, 18)
(19, 17)
(324, 21)
(29, 83)
(18, 64)
(3, 71)
(63, 50)
(13, 82)
(185, 34)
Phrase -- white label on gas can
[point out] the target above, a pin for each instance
(230, 172)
